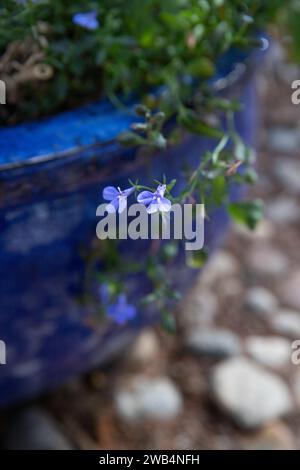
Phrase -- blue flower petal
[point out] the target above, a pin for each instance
(128, 191)
(153, 207)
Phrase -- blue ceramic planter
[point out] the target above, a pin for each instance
(52, 173)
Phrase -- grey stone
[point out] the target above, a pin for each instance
(271, 351)
(266, 261)
(261, 301)
(145, 397)
(288, 173)
(216, 343)
(287, 322)
(290, 290)
(249, 394)
(33, 428)
(283, 210)
(284, 139)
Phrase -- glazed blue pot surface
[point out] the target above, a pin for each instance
(52, 174)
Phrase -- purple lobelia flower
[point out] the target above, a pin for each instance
(86, 20)
(117, 198)
(155, 201)
(121, 311)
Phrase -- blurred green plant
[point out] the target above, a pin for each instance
(53, 57)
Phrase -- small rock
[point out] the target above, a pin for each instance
(287, 322)
(296, 389)
(146, 397)
(250, 395)
(284, 140)
(287, 172)
(264, 231)
(33, 428)
(274, 436)
(261, 301)
(145, 348)
(290, 290)
(215, 343)
(267, 261)
(221, 264)
(271, 351)
(283, 210)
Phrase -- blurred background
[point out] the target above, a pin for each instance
(226, 380)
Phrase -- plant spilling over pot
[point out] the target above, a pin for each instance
(57, 55)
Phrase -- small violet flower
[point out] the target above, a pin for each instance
(117, 198)
(86, 20)
(121, 311)
(155, 201)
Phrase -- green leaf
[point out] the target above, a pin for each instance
(244, 153)
(223, 104)
(246, 213)
(142, 110)
(196, 259)
(250, 176)
(158, 120)
(170, 250)
(157, 140)
(201, 67)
